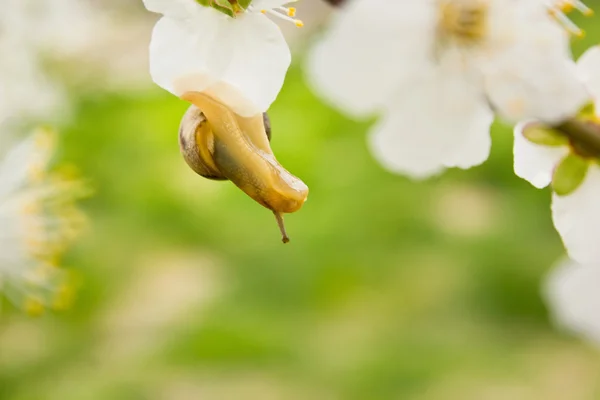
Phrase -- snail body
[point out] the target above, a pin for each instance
(219, 144)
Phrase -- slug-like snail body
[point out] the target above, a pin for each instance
(219, 144)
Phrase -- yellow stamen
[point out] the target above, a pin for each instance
(34, 307)
(559, 10)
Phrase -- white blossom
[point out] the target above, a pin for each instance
(38, 221)
(25, 88)
(52, 26)
(436, 71)
(31, 33)
(239, 61)
(576, 215)
(573, 299)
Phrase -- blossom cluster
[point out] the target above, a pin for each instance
(435, 74)
(38, 217)
(32, 32)
(436, 97)
(39, 220)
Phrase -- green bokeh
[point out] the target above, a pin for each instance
(390, 288)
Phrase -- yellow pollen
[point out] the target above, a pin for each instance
(34, 307)
(64, 297)
(44, 139)
(36, 173)
(31, 208)
(566, 7)
(286, 14)
(464, 21)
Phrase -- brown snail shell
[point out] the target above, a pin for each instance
(195, 135)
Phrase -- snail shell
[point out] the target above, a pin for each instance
(197, 143)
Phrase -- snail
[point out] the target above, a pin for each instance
(218, 144)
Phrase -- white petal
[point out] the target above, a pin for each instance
(533, 162)
(577, 219)
(589, 68)
(25, 89)
(444, 124)
(173, 8)
(182, 51)
(16, 165)
(242, 62)
(572, 294)
(528, 70)
(372, 47)
(259, 60)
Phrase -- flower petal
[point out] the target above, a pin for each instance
(444, 124)
(173, 8)
(242, 62)
(577, 219)
(572, 295)
(533, 162)
(259, 60)
(25, 89)
(530, 73)
(370, 51)
(179, 51)
(589, 68)
(24, 160)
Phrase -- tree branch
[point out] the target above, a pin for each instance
(584, 134)
(335, 3)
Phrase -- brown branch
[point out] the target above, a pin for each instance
(584, 135)
(336, 3)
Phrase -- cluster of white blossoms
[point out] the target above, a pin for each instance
(546, 154)
(37, 216)
(38, 220)
(31, 32)
(437, 71)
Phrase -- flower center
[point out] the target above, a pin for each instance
(464, 21)
(235, 8)
(559, 9)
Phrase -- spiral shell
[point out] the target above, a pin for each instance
(197, 143)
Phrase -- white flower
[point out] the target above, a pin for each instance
(56, 26)
(31, 32)
(573, 299)
(437, 70)
(25, 88)
(240, 61)
(38, 220)
(576, 215)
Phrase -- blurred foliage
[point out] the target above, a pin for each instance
(390, 289)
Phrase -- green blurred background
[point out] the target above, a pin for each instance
(390, 288)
